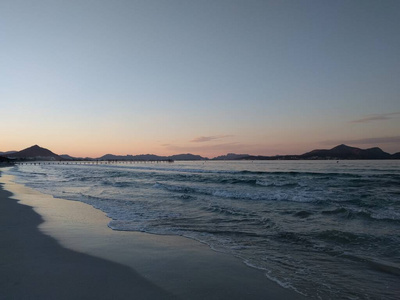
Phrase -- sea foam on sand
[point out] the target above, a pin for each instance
(160, 266)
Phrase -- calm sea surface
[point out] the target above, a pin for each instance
(324, 229)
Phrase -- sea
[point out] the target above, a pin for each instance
(325, 229)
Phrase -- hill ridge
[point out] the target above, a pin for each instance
(341, 151)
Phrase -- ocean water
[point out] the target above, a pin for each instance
(326, 229)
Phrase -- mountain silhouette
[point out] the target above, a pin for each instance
(347, 152)
(35, 153)
(339, 152)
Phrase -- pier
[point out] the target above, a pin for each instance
(93, 162)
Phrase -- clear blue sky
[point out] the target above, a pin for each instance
(207, 77)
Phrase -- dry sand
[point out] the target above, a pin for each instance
(58, 249)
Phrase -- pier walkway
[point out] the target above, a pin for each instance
(92, 162)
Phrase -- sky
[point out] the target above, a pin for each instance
(86, 78)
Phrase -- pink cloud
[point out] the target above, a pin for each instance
(376, 117)
(203, 139)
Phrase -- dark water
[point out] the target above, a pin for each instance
(324, 229)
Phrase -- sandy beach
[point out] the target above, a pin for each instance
(58, 249)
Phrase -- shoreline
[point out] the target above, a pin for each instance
(67, 249)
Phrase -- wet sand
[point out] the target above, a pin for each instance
(58, 249)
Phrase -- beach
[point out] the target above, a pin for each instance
(53, 248)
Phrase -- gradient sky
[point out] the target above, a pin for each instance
(206, 77)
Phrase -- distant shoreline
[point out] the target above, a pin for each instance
(341, 152)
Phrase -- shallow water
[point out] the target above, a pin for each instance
(322, 228)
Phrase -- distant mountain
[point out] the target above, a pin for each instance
(113, 157)
(4, 160)
(338, 152)
(231, 156)
(146, 157)
(347, 152)
(35, 153)
(187, 156)
(131, 157)
(396, 155)
(69, 157)
(7, 153)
